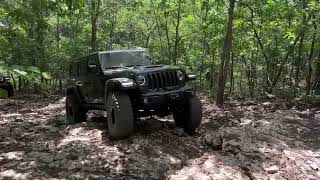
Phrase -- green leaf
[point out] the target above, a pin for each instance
(46, 76)
(33, 69)
(20, 73)
(3, 93)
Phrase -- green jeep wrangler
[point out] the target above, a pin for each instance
(127, 85)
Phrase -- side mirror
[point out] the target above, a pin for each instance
(92, 68)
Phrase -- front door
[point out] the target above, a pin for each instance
(94, 80)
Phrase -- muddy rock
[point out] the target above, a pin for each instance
(276, 177)
(271, 169)
(317, 115)
(175, 163)
(241, 141)
(261, 123)
(244, 122)
(237, 140)
(178, 131)
(213, 140)
(259, 176)
(267, 104)
(313, 165)
(180, 177)
(26, 110)
(18, 119)
(11, 174)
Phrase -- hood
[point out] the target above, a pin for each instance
(138, 70)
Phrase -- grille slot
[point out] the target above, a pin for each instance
(162, 80)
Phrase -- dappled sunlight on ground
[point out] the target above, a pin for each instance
(83, 135)
(12, 174)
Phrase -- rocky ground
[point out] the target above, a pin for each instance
(246, 140)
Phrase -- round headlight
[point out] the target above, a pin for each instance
(180, 75)
(1, 79)
(141, 80)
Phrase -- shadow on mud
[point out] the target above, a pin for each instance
(37, 142)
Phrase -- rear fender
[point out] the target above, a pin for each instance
(74, 91)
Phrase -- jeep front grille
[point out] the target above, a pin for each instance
(162, 80)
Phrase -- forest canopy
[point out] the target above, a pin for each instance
(274, 44)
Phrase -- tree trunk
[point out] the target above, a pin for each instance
(169, 46)
(60, 85)
(212, 71)
(203, 41)
(299, 60)
(95, 5)
(231, 75)
(177, 36)
(281, 66)
(58, 32)
(19, 83)
(316, 83)
(14, 81)
(111, 31)
(300, 51)
(240, 84)
(158, 27)
(263, 51)
(311, 56)
(225, 57)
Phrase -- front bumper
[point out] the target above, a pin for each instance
(159, 100)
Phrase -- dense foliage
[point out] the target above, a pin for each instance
(275, 44)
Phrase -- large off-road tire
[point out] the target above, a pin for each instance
(119, 115)
(10, 91)
(188, 115)
(74, 112)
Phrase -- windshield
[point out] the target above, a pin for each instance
(125, 59)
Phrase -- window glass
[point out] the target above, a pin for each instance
(125, 59)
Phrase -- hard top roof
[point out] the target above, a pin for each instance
(109, 52)
(118, 51)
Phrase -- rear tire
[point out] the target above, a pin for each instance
(74, 112)
(188, 115)
(10, 91)
(119, 115)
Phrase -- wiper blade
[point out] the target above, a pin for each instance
(115, 67)
(126, 67)
(135, 65)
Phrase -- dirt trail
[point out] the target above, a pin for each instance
(244, 141)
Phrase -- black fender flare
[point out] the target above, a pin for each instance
(116, 84)
(10, 90)
(74, 90)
